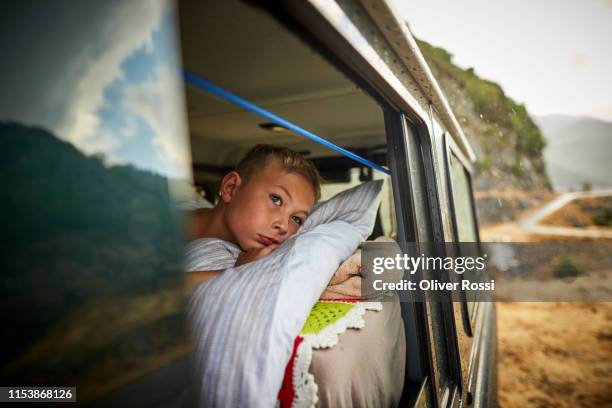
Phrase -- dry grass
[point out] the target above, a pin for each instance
(552, 354)
(555, 354)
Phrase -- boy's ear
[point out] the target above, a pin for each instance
(230, 183)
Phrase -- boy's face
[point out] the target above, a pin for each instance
(267, 209)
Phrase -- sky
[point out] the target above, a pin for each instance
(552, 55)
(104, 76)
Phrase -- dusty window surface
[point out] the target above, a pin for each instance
(419, 189)
(466, 227)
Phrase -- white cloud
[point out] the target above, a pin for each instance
(105, 141)
(160, 104)
(130, 129)
(134, 24)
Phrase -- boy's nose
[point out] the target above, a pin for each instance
(281, 227)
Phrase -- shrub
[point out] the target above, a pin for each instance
(565, 268)
(603, 217)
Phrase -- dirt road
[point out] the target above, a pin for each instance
(531, 223)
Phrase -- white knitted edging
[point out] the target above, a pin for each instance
(304, 382)
(353, 319)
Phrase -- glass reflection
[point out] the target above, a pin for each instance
(92, 133)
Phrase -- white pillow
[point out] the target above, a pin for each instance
(356, 206)
(245, 320)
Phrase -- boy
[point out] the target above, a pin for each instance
(262, 203)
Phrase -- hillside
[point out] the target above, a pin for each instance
(578, 152)
(508, 144)
(81, 235)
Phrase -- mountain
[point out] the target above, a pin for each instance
(578, 152)
(510, 173)
(75, 231)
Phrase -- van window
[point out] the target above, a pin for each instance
(246, 51)
(466, 226)
(464, 220)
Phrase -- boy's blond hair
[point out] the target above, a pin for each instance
(261, 155)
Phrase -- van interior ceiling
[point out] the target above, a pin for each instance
(252, 55)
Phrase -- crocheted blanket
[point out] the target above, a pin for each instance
(327, 320)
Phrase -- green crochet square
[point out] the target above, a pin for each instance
(324, 314)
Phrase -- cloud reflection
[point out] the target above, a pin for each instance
(106, 78)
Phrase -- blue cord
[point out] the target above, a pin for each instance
(214, 89)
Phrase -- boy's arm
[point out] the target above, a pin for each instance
(250, 255)
(193, 278)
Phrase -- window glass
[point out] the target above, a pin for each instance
(466, 227)
(419, 188)
(464, 216)
(92, 136)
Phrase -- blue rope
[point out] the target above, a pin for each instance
(222, 93)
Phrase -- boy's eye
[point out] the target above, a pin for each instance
(297, 220)
(276, 199)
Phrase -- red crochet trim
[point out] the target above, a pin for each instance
(286, 394)
(345, 300)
